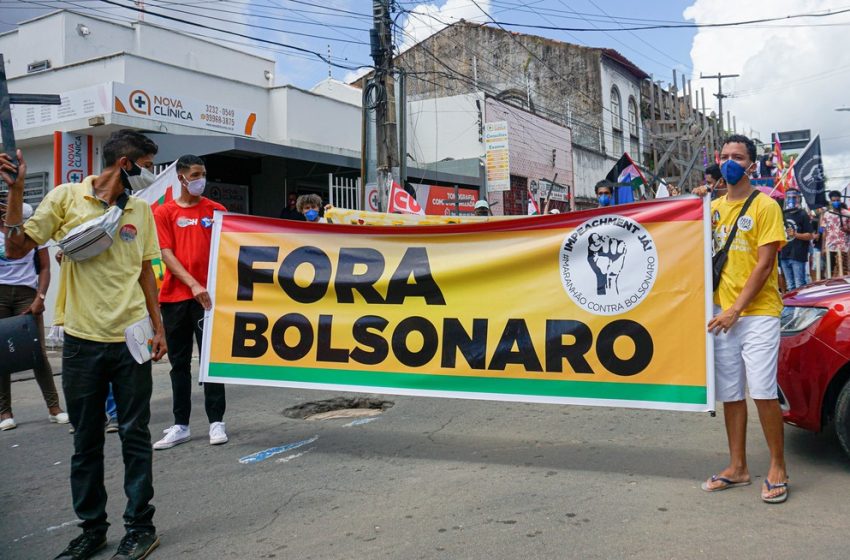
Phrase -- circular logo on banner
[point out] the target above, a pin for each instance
(128, 233)
(745, 223)
(608, 264)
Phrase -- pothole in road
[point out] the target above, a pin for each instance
(339, 407)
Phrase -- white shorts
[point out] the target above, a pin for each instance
(747, 356)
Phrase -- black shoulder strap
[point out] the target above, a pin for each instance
(123, 198)
(743, 211)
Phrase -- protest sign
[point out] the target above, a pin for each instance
(592, 307)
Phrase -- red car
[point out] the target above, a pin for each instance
(814, 358)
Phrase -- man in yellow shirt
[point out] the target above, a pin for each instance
(746, 322)
(104, 295)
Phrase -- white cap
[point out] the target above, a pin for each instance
(554, 211)
(26, 212)
(482, 204)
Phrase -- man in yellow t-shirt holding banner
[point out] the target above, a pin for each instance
(746, 322)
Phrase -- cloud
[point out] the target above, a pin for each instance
(353, 75)
(791, 77)
(426, 19)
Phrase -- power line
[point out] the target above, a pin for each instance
(246, 24)
(642, 40)
(163, 3)
(665, 26)
(318, 55)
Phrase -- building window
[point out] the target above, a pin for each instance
(633, 117)
(616, 121)
(616, 111)
(634, 137)
(618, 143)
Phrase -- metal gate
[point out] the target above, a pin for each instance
(344, 192)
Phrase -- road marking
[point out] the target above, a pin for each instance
(263, 455)
(360, 422)
(288, 458)
(49, 529)
(63, 525)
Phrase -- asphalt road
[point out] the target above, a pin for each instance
(435, 478)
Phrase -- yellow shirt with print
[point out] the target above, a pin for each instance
(762, 224)
(101, 295)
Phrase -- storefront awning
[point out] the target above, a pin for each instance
(172, 146)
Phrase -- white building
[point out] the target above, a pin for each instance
(191, 95)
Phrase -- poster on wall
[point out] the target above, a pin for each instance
(440, 201)
(497, 156)
(543, 189)
(232, 197)
(72, 157)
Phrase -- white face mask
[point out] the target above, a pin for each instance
(196, 187)
(142, 180)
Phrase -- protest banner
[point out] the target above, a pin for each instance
(368, 218)
(592, 307)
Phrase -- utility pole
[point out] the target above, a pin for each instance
(719, 95)
(386, 131)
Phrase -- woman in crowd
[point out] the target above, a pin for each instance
(23, 285)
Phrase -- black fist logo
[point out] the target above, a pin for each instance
(606, 256)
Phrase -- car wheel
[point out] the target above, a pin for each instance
(841, 421)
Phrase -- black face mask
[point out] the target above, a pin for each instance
(135, 171)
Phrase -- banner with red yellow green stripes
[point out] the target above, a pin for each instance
(600, 307)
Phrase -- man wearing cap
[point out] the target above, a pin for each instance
(481, 208)
(104, 295)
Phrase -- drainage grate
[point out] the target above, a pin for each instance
(339, 407)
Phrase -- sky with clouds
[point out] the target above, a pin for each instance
(793, 73)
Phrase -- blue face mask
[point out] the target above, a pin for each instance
(732, 172)
(604, 199)
(836, 204)
(311, 215)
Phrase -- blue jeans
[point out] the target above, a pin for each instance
(111, 407)
(794, 272)
(88, 369)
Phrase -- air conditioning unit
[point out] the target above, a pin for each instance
(38, 66)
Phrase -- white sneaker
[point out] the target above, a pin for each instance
(217, 433)
(175, 435)
(8, 424)
(61, 418)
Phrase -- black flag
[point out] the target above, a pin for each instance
(808, 170)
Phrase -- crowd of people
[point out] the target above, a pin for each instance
(101, 296)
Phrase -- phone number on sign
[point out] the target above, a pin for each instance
(219, 115)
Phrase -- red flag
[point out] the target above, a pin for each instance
(402, 203)
(778, 162)
(716, 157)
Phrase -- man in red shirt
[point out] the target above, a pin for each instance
(184, 226)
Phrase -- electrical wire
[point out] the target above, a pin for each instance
(318, 55)
(667, 25)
